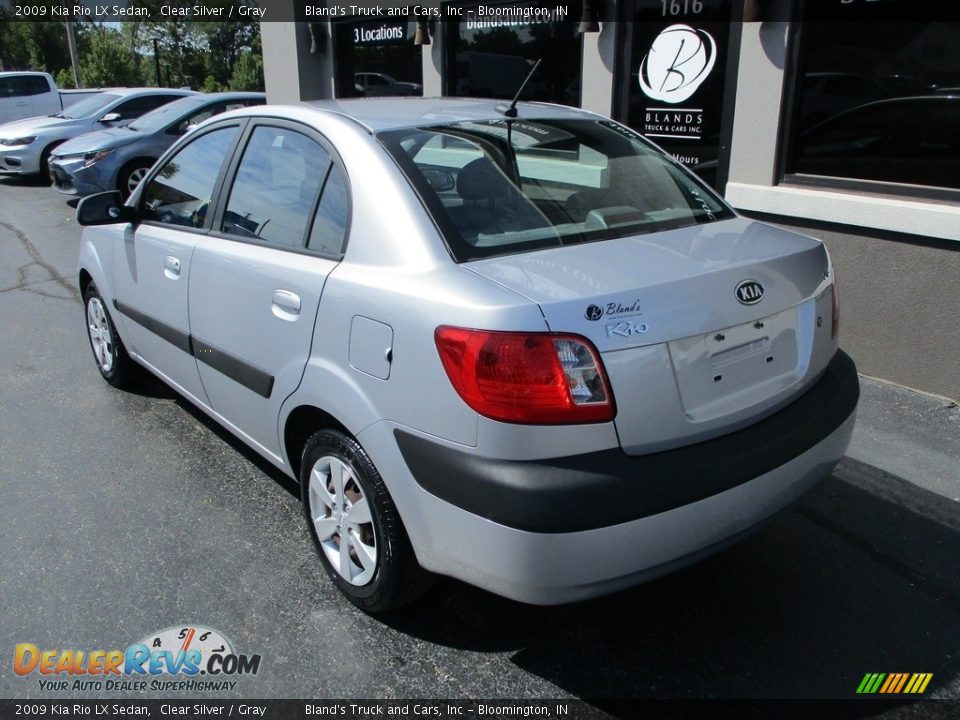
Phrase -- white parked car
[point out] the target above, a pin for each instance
(534, 352)
(26, 145)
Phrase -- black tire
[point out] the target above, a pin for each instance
(397, 578)
(113, 362)
(123, 178)
(45, 162)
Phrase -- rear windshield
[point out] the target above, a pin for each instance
(506, 186)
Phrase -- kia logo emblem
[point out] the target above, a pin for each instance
(749, 292)
(594, 312)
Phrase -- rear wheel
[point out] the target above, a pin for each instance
(114, 364)
(355, 525)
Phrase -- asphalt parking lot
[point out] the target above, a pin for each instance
(126, 513)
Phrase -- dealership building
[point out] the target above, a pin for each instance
(836, 118)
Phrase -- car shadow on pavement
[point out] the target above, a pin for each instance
(25, 180)
(851, 581)
(150, 386)
(156, 385)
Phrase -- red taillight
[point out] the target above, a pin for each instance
(835, 309)
(533, 378)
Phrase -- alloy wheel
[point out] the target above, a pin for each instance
(340, 513)
(101, 335)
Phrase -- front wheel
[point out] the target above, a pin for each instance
(355, 526)
(114, 364)
(131, 176)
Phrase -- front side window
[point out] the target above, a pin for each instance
(196, 118)
(136, 107)
(89, 106)
(180, 193)
(276, 186)
(505, 186)
(168, 113)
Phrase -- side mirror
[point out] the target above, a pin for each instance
(110, 117)
(104, 209)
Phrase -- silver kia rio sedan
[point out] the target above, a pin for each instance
(521, 346)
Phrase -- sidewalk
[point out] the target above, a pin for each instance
(912, 438)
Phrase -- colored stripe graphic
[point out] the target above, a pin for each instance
(891, 680)
(903, 679)
(894, 683)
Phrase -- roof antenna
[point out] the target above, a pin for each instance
(510, 110)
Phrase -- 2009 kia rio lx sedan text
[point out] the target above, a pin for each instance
(530, 352)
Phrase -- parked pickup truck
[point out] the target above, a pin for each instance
(25, 94)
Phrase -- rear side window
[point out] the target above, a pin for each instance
(180, 193)
(276, 186)
(330, 224)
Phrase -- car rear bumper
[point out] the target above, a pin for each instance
(538, 495)
(568, 529)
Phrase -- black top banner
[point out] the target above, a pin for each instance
(440, 10)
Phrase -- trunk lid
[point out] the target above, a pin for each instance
(687, 360)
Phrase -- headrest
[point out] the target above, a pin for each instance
(480, 179)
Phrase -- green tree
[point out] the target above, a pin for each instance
(227, 42)
(64, 79)
(32, 45)
(210, 85)
(248, 73)
(108, 60)
(192, 51)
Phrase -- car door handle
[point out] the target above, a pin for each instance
(171, 267)
(286, 305)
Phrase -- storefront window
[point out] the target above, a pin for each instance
(877, 97)
(671, 82)
(493, 48)
(377, 58)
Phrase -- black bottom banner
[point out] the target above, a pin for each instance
(493, 709)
